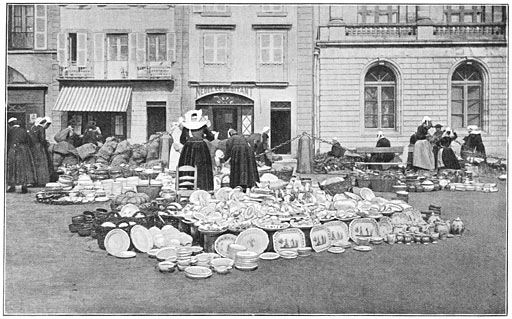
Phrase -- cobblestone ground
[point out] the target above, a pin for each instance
(48, 270)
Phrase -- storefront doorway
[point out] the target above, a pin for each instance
(280, 129)
(225, 111)
(157, 114)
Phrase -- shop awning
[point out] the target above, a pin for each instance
(83, 98)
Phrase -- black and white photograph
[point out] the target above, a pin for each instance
(180, 159)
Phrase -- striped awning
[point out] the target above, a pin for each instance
(88, 98)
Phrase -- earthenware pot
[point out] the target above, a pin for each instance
(442, 227)
(457, 226)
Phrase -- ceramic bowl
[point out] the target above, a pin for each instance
(166, 266)
(363, 241)
(304, 251)
(226, 262)
(398, 188)
(222, 269)
(377, 240)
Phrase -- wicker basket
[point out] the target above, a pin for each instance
(152, 191)
(363, 182)
(337, 188)
(285, 174)
(382, 183)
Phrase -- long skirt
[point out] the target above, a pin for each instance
(447, 159)
(423, 156)
(244, 170)
(42, 167)
(195, 153)
(20, 166)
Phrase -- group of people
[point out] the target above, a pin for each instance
(28, 158)
(434, 151)
(240, 152)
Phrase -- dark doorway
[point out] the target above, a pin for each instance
(280, 129)
(224, 119)
(157, 116)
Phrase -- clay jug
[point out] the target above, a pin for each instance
(457, 226)
(442, 227)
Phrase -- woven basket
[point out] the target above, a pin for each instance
(337, 188)
(363, 182)
(382, 183)
(152, 191)
(285, 174)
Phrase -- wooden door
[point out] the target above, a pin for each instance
(156, 120)
(280, 130)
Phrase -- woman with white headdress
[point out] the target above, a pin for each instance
(20, 162)
(382, 141)
(195, 151)
(423, 157)
(473, 145)
(40, 150)
(446, 157)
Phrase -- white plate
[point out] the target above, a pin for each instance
(363, 248)
(116, 241)
(269, 256)
(288, 254)
(336, 250)
(198, 272)
(290, 238)
(366, 227)
(320, 238)
(200, 197)
(385, 227)
(338, 231)
(128, 210)
(251, 267)
(101, 199)
(254, 239)
(126, 254)
(223, 193)
(141, 238)
(222, 243)
(165, 253)
(366, 193)
(353, 196)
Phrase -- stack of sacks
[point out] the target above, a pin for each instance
(122, 154)
(107, 150)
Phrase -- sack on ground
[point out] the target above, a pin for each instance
(70, 160)
(57, 160)
(123, 147)
(64, 148)
(107, 149)
(86, 150)
(62, 135)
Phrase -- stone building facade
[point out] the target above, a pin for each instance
(386, 67)
(251, 67)
(32, 88)
(120, 66)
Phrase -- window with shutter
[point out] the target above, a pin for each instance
(156, 47)
(21, 32)
(171, 47)
(271, 48)
(40, 28)
(62, 51)
(215, 47)
(141, 48)
(81, 49)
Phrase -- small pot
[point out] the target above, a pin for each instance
(85, 230)
(73, 228)
(79, 219)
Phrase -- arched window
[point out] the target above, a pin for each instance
(380, 98)
(467, 95)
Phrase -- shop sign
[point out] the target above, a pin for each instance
(204, 90)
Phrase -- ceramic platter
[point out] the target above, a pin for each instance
(414, 215)
(291, 238)
(222, 243)
(338, 231)
(198, 272)
(385, 226)
(126, 254)
(254, 239)
(363, 248)
(200, 197)
(366, 193)
(363, 227)
(223, 193)
(269, 256)
(141, 238)
(336, 250)
(128, 210)
(400, 218)
(353, 196)
(116, 241)
(320, 239)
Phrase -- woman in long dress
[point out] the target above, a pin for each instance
(446, 157)
(243, 167)
(423, 157)
(20, 162)
(40, 150)
(263, 147)
(195, 152)
(174, 153)
(473, 145)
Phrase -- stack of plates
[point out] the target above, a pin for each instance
(198, 272)
(246, 260)
(288, 253)
(233, 249)
(184, 256)
(203, 260)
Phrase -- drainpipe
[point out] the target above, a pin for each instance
(316, 97)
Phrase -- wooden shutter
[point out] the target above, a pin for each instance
(99, 55)
(277, 48)
(62, 52)
(81, 49)
(197, 9)
(209, 48)
(132, 44)
(141, 47)
(40, 35)
(221, 46)
(171, 47)
(264, 48)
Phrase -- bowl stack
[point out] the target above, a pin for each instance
(246, 260)
(203, 260)
(235, 248)
(184, 258)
